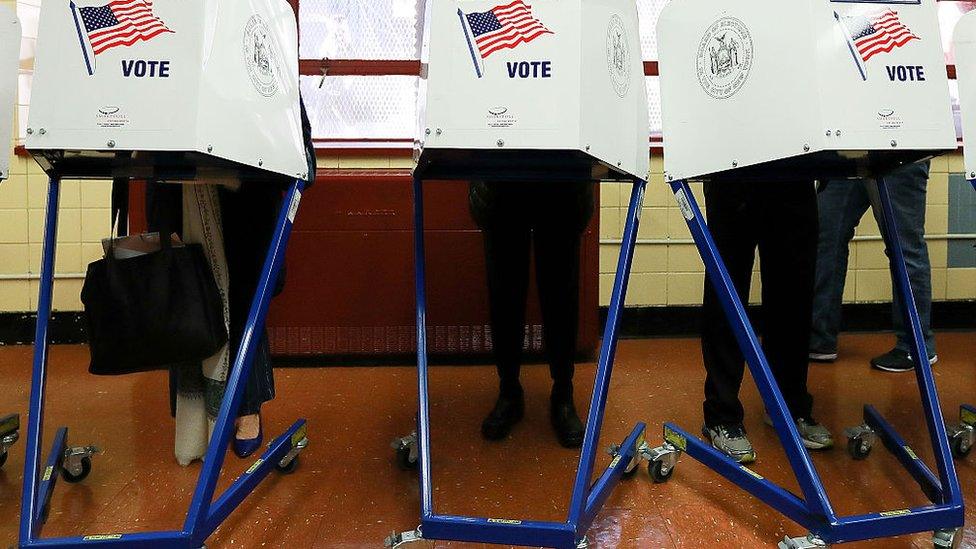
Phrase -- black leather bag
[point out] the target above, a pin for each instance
(150, 311)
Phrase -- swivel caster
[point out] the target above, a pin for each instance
(962, 436)
(76, 464)
(860, 441)
(947, 539)
(395, 540)
(289, 463)
(661, 461)
(809, 541)
(407, 452)
(640, 447)
(9, 433)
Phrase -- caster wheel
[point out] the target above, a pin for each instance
(631, 472)
(658, 473)
(403, 459)
(960, 448)
(3, 458)
(288, 469)
(947, 539)
(857, 449)
(86, 467)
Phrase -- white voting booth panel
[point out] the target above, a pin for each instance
(965, 48)
(536, 75)
(218, 80)
(749, 82)
(9, 53)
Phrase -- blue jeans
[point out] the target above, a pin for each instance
(842, 204)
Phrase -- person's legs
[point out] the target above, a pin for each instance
(507, 242)
(248, 216)
(731, 228)
(841, 205)
(907, 188)
(558, 231)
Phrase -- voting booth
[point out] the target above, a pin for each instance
(963, 434)
(9, 48)
(563, 81)
(190, 88)
(521, 92)
(964, 43)
(171, 91)
(846, 88)
(817, 90)
(9, 52)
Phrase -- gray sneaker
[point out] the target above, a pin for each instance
(731, 440)
(814, 435)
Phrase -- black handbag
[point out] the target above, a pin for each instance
(150, 311)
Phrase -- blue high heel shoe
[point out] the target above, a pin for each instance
(244, 447)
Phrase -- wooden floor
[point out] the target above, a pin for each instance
(348, 493)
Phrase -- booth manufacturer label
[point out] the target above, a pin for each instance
(725, 56)
(504, 521)
(254, 467)
(684, 205)
(102, 537)
(293, 207)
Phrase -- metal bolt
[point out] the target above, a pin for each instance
(837, 133)
(439, 131)
(42, 131)
(972, 175)
(670, 178)
(427, 131)
(30, 131)
(111, 143)
(735, 164)
(501, 143)
(260, 162)
(209, 148)
(587, 147)
(806, 147)
(304, 175)
(828, 133)
(618, 163)
(894, 143)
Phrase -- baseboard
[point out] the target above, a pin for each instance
(674, 321)
(68, 327)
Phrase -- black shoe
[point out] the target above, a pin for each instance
(565, 420)
(897, 360)
(509, 409)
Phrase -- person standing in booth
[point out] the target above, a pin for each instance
(780, 219)
(512, 216)
(234, 223)
(842, 204)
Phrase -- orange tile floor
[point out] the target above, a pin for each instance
(348, 493)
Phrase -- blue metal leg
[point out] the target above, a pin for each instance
(927, 481)
(735, 312)
(30, 500)
(608, 349)
(423, 414)
(196, 525)
(587, 499)
(950, 492)
(247, 482)
(50, 477)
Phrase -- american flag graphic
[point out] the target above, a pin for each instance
(878, 33)
(120, 23)
(504, 27)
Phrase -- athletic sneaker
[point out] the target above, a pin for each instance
(814, 435)
(897, 360)
(817, 355)
(731, 440)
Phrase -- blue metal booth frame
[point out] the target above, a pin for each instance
(205, 514)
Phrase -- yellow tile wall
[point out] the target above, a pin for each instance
(664, 242)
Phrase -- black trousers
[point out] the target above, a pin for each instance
(780, 219)
(248, 218)
(512, 216)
